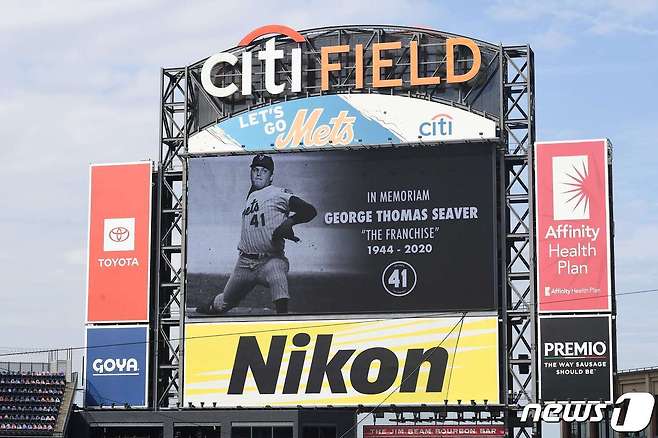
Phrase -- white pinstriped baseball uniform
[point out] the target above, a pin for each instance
(262, 260)
(265, 210)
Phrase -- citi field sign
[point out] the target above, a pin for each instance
(284, 90)
(328, 53)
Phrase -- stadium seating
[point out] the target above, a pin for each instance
(30, 402)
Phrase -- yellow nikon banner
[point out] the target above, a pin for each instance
(404, 361)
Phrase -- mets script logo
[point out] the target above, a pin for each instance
(253, 208)
(439, 126)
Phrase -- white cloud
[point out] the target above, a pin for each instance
(632, 246)
(636, 255)
(552, 39)
(45, 14)
(76, 256)
(595, 17)
(632, 8)
(518, 10)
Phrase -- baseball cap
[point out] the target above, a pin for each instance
(263, 160)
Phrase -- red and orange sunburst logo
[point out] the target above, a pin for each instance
(578, 188)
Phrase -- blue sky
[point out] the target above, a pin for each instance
(80, 84)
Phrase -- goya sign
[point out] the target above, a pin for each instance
(380, 56)
(117, 366)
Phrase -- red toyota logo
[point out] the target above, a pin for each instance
(119, 234)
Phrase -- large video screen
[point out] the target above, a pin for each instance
(342, 231)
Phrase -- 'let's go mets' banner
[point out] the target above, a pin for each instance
(407, 361)
(573, 226)
(342, 120)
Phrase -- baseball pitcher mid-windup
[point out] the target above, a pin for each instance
(266, 222)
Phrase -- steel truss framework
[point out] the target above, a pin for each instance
(512, 67)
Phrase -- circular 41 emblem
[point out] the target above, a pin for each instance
(399, 278)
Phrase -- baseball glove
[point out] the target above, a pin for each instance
(285, 231)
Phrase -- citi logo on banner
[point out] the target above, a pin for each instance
(119, 234)
(440, 125)
(381, 54)
(570, 194)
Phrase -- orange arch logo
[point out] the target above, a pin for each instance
(271, 29)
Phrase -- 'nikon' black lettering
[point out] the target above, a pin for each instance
(266, 371)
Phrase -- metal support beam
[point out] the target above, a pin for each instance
(167, 382)
(520, 316)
